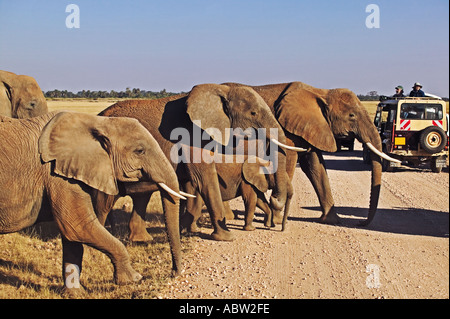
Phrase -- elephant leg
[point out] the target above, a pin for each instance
(249, 197)
(262, 204)
(137, 226)
(97, 236)
(313, 165)
(229, 215)
(72, 264)
(216, 212)
(193, 213)
(291, 163)
(204, 178)
(193, 210)
(103, 204)
(73, 211)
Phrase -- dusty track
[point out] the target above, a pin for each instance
(404, 253)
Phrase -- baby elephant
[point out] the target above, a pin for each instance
(240, 179)
(53, 164)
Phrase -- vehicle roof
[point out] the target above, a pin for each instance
(394, 101)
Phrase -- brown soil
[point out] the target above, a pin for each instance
(404, 253)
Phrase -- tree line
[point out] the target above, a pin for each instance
(370, 96)
(134, 93)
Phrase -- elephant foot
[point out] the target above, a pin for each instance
(249, 227)
(331, 218)
(193, 228)
(140, 237)
(277, 218)
(188, 222)
(268, 222)
(229, 215)
(221, 232)
(127, 276)
(176, 273)
(73, 293)
(138, 230)
(222, 235)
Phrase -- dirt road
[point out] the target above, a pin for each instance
(404, 253)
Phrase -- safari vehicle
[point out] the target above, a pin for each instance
(413, 130)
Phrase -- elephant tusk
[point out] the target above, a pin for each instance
(171, 191)
(187, 195)
(292, 148)
(381, 154)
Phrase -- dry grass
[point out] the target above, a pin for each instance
(371, 107)
(30, 261)
(89, 106)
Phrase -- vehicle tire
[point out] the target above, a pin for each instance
(385, 164)
(434, 167)
(433, 139)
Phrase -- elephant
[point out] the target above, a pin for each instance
(20, 96)
(53, 167)
(189, 116)
(312, 118)
(247, 179)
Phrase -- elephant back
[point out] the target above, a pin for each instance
(22, 133)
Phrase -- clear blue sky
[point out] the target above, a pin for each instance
(174, 45)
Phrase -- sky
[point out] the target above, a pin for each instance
(174, 44)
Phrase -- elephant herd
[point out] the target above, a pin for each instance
(71, 167)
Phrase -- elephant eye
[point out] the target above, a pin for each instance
(139, 151)
(352, 115)
(253, 113)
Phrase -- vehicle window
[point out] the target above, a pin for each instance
(377, 118)
(416, 111)
(392, 115)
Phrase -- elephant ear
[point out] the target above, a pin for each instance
(253, 174)
(301, 112)
(79, 149)
(206, 106)
(5, 99)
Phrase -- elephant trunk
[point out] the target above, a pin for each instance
(371, 137)
(163, 174)
(286, 208)
(170, 198)
(375, 188)
(279, 193)
(171, 215)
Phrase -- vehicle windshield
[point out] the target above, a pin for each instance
(417, 111)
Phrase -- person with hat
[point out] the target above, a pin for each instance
(416, 91)
(398, 91)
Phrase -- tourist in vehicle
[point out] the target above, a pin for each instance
(417, 90)
(399, 91)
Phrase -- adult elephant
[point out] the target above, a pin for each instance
(20, 96)
(312, 118)
(52, 165)
(207, 106)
